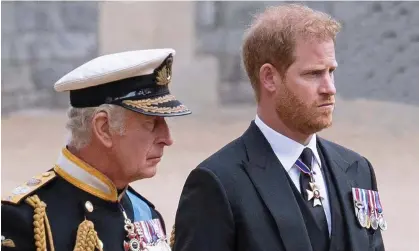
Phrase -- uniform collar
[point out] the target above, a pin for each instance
(85, 177)
(286, 149)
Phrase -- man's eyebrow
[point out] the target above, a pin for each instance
(319, 67)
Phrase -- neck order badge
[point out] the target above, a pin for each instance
(314, 193)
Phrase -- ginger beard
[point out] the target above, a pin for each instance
(300, 116)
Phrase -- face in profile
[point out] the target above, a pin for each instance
(140, 148)
(305, 98)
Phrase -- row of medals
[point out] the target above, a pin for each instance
(141, 239)
(368, 209)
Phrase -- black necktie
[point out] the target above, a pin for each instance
(317, 211)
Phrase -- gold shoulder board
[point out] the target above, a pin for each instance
(28, 187)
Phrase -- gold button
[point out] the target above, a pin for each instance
(89, 206)
(46, 174)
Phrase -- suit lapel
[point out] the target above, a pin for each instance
(338, 167)
(269, 179)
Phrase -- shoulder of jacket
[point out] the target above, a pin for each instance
(29, 187)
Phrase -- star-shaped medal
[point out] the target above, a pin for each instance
(314, 194)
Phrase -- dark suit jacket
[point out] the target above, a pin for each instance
(239, 199)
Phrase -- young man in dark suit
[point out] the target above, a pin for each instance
(280, 186)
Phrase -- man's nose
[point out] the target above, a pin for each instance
(328, 85)
(164, 136)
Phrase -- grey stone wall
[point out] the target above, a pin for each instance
(41, 41)
(377, 50)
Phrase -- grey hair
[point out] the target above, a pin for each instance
(80, 126)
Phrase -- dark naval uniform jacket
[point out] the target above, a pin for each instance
(241, 199)
(70, 207)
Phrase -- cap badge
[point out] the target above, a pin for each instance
(164, 75)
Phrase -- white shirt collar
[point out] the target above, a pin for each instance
(286, 149)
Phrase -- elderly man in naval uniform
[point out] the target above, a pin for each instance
(118, 132)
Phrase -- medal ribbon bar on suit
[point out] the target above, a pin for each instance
(365, 202)
(381, 221)
(146, 231)
(378, 202)
(144, 235)
(368, 209)
(358, 197)
(355, 201)
(158, 228)
(361, 207)
(372, 206)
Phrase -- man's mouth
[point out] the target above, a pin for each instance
(327, 104)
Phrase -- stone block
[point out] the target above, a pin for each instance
(7, 18)
(233, 41)
(33, 46)
(320, 6)
(16, 78)
(377, 55)
(238, 15)
(207, 15)
(7, 48)
(17, 47)
(46, 73)
(37, 16)
(340, 11)
(130, 31)
(196, 84)
(64, 46)
(41, 42)
(235, 93)
(8, 103)
(220, 41)
(38, 99)
(229, 68)
(79, 16)
(25, 100)
(59, 100)
(211, 42)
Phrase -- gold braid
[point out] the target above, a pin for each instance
(87, 238)
(40, 223)
(172, 238)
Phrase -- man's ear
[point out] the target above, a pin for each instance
(269, 77)
(101, 129)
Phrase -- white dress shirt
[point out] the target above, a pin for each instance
(288, 151)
